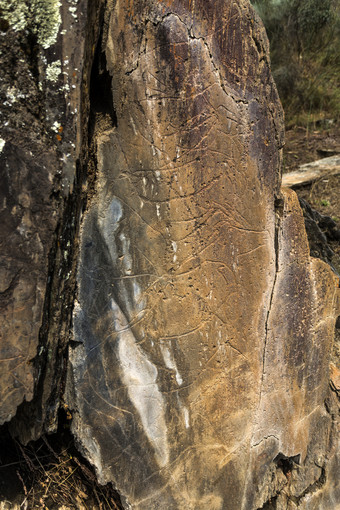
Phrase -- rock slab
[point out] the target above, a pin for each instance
(41, 73)
(202, 326)
(197, 361)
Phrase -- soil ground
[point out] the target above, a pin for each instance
(304, 145)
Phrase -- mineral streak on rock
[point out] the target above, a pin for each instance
(204, 327)
(198, 367)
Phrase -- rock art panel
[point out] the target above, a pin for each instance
(197, 371)
(202, 327)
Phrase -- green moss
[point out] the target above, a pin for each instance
(41, 17)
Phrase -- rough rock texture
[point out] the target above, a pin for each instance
(322, 233)
(41, 54)
(197, 370)
(202, 326)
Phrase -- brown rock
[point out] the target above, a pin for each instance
(198, 375)
(40, 78)
(198, 370)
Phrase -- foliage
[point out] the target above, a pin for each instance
(304, 37)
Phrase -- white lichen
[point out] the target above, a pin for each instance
(46, 21)
(2, 144)
(15, 12)
(14, 94)
(53, 71)
(73, 11)
(10, 93)
(56, 126)
(41, 17)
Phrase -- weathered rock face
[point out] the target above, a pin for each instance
(197, 371)
(41, 66)
(202, 327)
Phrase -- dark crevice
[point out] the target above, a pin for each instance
(102, 115)
(287, 464)
(34, 475)
(259, 47)
(30, 47)
(278, 206)
(4, 24)
(102, 112)
(270, 504)
(337, 324)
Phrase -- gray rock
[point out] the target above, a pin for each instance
(41, 73)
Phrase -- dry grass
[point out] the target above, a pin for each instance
(50, 474)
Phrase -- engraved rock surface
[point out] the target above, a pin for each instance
(191, 322)
(202, 326)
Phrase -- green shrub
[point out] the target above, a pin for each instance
(304, 38)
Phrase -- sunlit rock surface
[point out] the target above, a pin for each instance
(202, 328)
(196, 339)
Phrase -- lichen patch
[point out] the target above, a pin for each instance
(53, 71)
(41, 17)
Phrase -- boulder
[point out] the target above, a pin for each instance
(156, 280)
(202, 327)
(42, 52)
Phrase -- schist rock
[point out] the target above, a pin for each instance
(42, 51)
(156, 280)
(202, 327)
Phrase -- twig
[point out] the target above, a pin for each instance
(27, 459)
(50, 447)
(23, 483)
